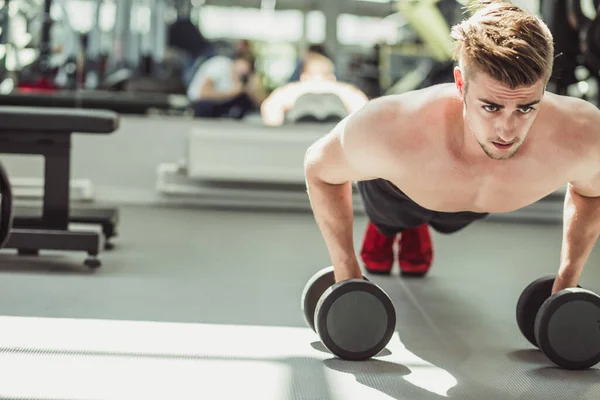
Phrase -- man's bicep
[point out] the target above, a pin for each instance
(589, 184)
(588, 187)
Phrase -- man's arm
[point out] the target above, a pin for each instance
(352, 151)
(581, 216)
(275, 106)
(581, 228)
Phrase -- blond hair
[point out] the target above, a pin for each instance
(504, 42)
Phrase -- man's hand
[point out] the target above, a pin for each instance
(564, 281)
(346, 272)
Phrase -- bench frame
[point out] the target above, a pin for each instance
(56, 149)
(51, 230)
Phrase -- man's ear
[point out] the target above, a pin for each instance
(459, 81)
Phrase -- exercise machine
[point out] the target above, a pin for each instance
(137, 60)
(427, 60)
(242, 164)
(120, 102)
(47, 132)
(576, 35)
(52, 71)
(55, 72)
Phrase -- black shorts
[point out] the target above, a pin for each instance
(392, 211)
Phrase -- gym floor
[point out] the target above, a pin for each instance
(205, 303)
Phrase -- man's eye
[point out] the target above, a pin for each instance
(525, 110)
(490, 108)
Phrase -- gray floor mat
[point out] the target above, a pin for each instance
(205, 304)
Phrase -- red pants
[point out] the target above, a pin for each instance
(415, 255)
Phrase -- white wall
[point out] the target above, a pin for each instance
(529, 5)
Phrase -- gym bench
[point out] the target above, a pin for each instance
(31, 217)
(47, 132)
(120, 102)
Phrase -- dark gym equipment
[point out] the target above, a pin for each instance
(6, 208)
(47, 132)
(184, 35)
(354, 319)
(587, 32)
(121, 102)
(565, 325)
(590, 45)
(530, 301)
(563, 25)
(317, 107)
(567, 328)
(576, 47)
(575, 17)
(31, 217)
(43, 74)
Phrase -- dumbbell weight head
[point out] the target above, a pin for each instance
(355, 319)
(314, 288)
(567, 328)
(530, 301)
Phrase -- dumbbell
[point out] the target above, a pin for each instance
(565, 326)
(355, 319)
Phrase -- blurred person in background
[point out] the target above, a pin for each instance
(225, 87)
(321, 92)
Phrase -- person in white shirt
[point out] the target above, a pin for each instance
(223, 87)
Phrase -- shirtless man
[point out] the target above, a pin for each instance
(494, 141)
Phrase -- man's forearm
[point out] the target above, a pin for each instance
(333, 211)
(580, 232)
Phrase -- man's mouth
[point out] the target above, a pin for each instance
(503, 146)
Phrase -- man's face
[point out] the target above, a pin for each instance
(241, 68)
(318, 68)
(498, 117)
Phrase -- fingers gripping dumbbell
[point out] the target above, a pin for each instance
(565, 326)
(355, 319)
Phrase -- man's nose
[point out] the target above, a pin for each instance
(508, 130)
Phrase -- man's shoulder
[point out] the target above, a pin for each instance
(571, 115)
(398, 125)
(574, 122)
(570, 109)
(418, 108)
